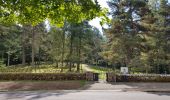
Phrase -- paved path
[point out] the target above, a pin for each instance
(102, 85)
(83, 95)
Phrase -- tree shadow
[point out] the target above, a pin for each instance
(33, 95)
(88, 85)
(38, 85)
(29, 91)
(125, 87)
(151, 88)
(163, 93)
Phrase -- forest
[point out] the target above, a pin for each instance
(35, 33)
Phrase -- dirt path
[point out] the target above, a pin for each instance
(86, 67)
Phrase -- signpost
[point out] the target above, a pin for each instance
(124, 70)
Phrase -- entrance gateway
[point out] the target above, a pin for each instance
(109, 76)
(100, 76)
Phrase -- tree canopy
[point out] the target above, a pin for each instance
(57, 11)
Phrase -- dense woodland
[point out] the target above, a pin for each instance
(138, 35)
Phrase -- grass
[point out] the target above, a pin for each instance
(82, 82)
(101, 70)
(1, 63)
(37, 69)
(39, 85)
(102, 73)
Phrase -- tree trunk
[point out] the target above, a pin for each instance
(39, 56)
(33, 47)
(2, 55)
(23, 48)
(96, 61)
(63, 50)
(146, 70)
(8, 59)
(56, 64)
(79, 54)
(71, 50)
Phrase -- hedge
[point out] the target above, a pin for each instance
(143, 78)
(42, 76)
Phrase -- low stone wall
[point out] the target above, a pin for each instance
(42, 76)
(89, 76)
(111, 77)
(143, 78)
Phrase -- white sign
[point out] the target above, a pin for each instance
(124, 70)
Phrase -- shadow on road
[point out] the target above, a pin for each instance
(32, 95)
(40, 85)
(160, 93)
(157, 89)
(153, 88)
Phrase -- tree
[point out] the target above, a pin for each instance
(34, 12)
(55, 44)
(57, 11)
(10, 43)
(137, 35)
(124, 33)
(161, 59)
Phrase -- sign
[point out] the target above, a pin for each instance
(124, 70)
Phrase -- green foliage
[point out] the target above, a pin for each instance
(138, 35)
(55, 51)
(79, 41)
(57, 11)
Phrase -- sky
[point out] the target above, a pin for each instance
(96, 22)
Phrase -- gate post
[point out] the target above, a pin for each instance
(110, 77)
(89, 76)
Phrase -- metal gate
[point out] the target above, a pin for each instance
(96, 76)
(101, 76)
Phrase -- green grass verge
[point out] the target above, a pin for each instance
(41, 85)
(37, 69)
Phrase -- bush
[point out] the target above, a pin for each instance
(143, 78)
(43, 76)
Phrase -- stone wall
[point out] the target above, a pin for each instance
(89, 76)
(111, 77)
